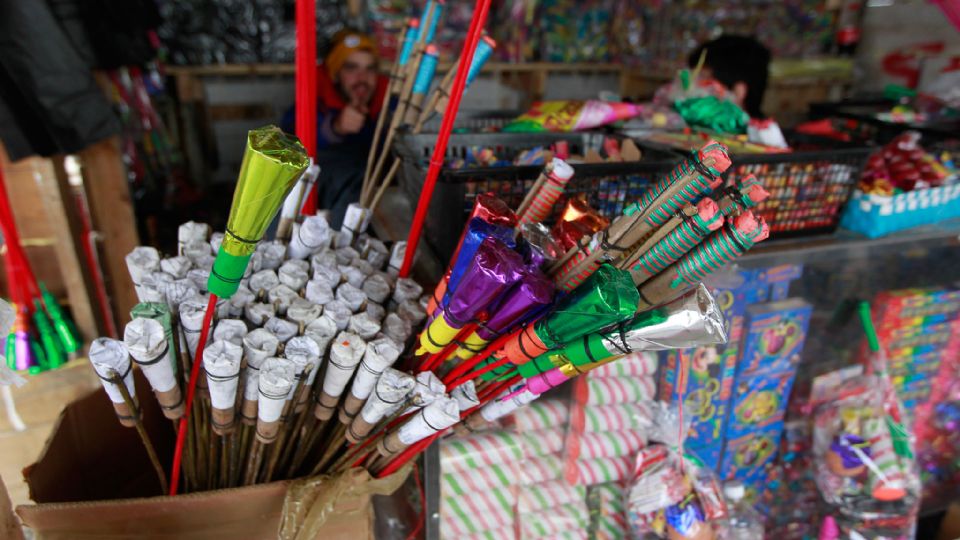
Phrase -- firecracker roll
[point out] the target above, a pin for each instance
(548, 413)
(282, 328)
(257, 313)
(322, 330)
(309, 237)
(231, 330)
(433, 418)
(714, 253)
(293, 275)
(149, 347)
(508, 402)
(546, 190)
(484, 449)
(303, 312)
(611, 444)
(110, 359)
(388, 396)
(494, 269)
(176, 266)
(635, 364)
(602, 470)
(557, 522)
(275, 383)
(258, 345)
(305, 353)
(379, 355)
(547, 495)
(221, 362)
(691, 231)
(617, 417)
(141, 262)
(345, 354)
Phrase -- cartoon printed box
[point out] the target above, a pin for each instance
(774, 335)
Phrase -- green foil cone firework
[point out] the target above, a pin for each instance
(48, 337)
(692, 320)
(607, 297)
(272, 163)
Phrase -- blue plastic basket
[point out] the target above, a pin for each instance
(877, 215)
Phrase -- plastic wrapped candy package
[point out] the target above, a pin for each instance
(864, 463)
(670, 495)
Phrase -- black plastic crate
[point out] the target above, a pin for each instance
(808, 187)
(607, 186)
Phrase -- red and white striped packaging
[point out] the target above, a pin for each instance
(603, 470)
(550, 523)
(620, 417)
(479, 511)
(541, 414)
(635, 364)
(541, 469)
(504, 533)
(453, 525)
(611, 517)
(484, 478)
(543, 442)
(547, 495)
(611, 444)
(607, 391)
(479, 450)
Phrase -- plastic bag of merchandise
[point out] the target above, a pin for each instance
(671, 494)
(865, 468)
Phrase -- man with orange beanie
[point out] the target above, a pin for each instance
(350, 92)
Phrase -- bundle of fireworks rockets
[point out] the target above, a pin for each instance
(305, 372)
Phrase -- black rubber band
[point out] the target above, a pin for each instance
(240, 238)
(110, 379)
(152, 361)
(174, 406)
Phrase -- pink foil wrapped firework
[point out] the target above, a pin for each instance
(571, 115)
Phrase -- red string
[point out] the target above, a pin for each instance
(191, 390)
(446, 127)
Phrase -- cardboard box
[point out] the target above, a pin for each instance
(93, 480)
(774, 335)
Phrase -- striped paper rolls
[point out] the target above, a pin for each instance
(555, 522)
(547, 495)
(619, 417)
(620, 390)
(541, 414)
(602, 470)
(478, 450)
(480, 511)
(611, 444)
(635, 364)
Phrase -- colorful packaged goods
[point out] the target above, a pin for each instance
(902, 186)
(864, 463)
(571, 115)
(669, 494)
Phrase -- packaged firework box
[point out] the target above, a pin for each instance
(710, 378)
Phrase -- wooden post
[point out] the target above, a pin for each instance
(111, 210)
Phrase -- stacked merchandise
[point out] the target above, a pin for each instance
(608, 514)
(774, 335)
(713, 388)
(920, 331)
(507, 482)
(609, 417)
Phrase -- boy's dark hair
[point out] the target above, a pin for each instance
(736, 59)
